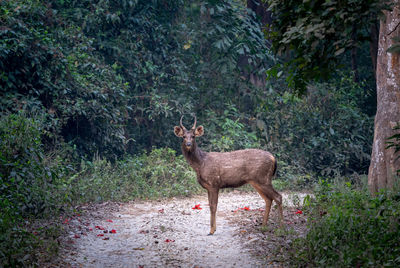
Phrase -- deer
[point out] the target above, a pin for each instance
(218, 170)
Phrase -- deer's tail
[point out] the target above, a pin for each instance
(275, 167)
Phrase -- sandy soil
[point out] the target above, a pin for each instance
(170, 233)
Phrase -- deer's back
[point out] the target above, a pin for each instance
(231, 169)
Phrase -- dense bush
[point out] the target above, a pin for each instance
(349, 228)
(48, 66)
(324, 132)
(27, 187)
(25, 178)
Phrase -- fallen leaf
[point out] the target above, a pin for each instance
(99, 227)
(109, 221)
(197, 207)
(169, 240)
(100, 235)
(299, 212)
(77, 236)
(138, 248)
(161, 210)
(113, 231)
(106, 238)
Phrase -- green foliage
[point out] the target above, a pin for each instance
(323, 132)
(317, 33)
(28, 188)
(348, 228)
(228, 133)
(48, 67)
(158, 174)
(17, 245)
(24, 176)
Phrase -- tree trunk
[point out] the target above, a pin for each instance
(383, 167)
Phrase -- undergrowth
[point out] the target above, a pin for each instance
(350, 228)
(157, 174)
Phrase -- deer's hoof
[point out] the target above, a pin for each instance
(210, 233)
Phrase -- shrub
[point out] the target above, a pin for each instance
(25, 177)
(157, 174)
(26, 187)
(350, 228)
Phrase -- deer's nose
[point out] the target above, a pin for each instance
(188, 144)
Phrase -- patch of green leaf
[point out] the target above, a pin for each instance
(348, 227)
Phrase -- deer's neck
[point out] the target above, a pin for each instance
(195, 157)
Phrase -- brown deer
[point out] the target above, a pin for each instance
(230, 169)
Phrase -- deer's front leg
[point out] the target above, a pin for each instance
(213, 201)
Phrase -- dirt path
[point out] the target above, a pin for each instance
(168, 233)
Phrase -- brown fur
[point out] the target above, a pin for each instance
(231, 169)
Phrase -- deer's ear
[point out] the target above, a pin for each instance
(178, 131)
(199, 131)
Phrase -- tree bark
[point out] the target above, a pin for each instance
(383, 167)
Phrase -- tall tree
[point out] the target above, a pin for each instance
(383, 167)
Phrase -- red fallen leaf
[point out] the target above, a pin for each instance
(100, 235)
(78, 215)
(161, 210)
(90, 229)
(109, 221)
(99, 227)
(244, 208)
(196, 207)
(299, 212)
(169, 240)
(106, 238)
(113, 231)
(141, 266)
(77, 236)
(66, 221)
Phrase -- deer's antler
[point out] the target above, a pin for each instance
(195, 121)
(180, 123)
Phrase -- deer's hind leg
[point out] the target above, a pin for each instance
(268, 202)
(269, 194)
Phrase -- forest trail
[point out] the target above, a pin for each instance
(166, 233)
